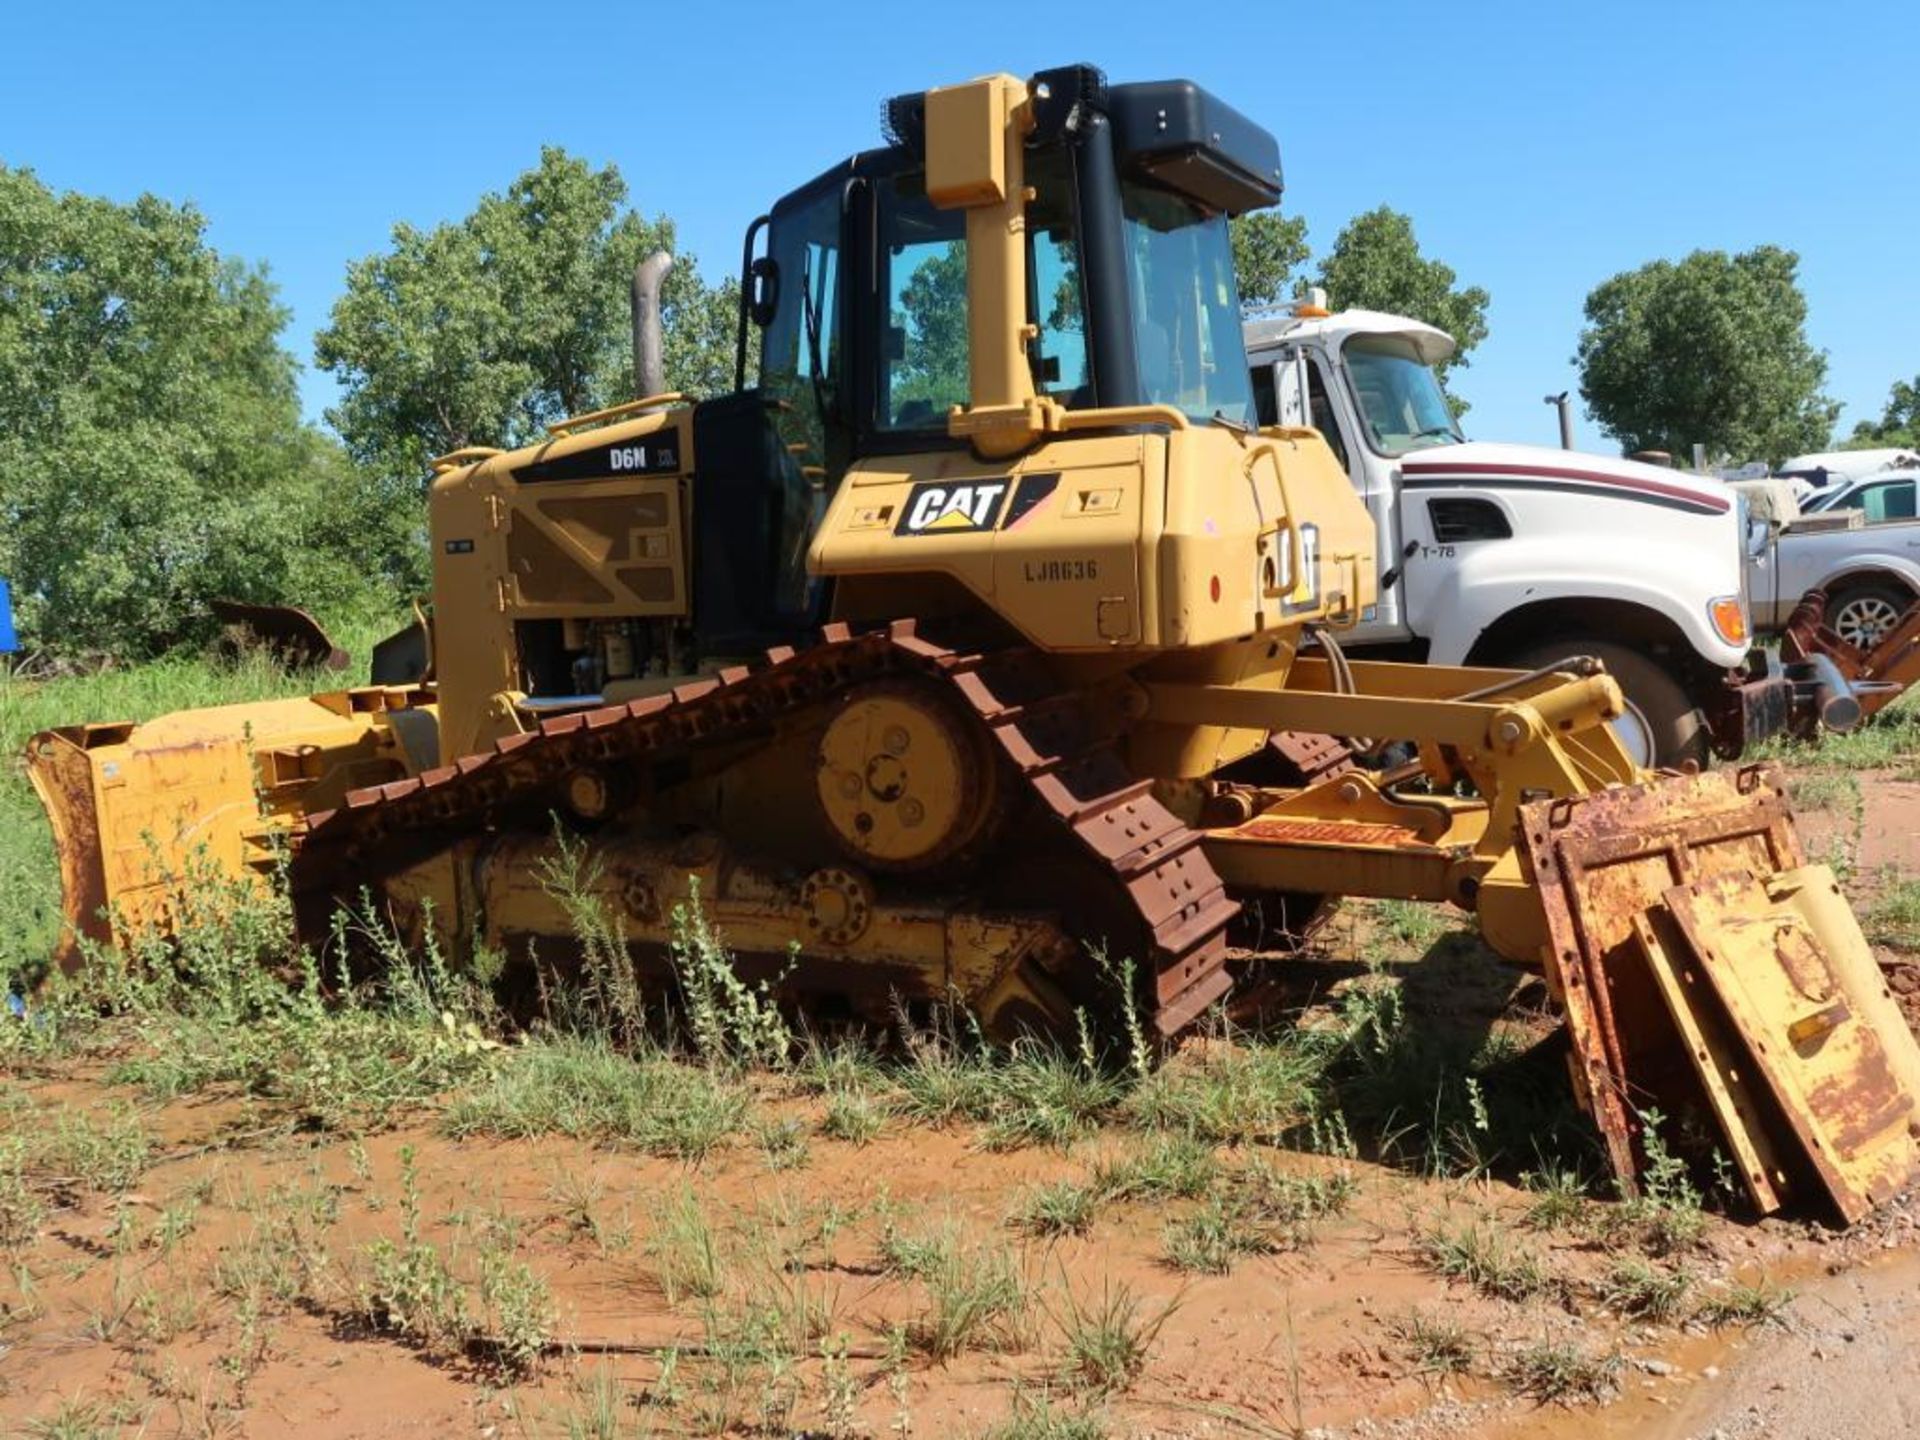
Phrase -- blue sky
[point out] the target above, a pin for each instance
(1539, 148)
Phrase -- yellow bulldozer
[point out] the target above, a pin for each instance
(988, 634)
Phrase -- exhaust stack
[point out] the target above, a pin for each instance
(649, 359)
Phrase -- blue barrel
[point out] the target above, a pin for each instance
(7, 643)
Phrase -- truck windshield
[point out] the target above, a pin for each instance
(1186, 307)
(1400, 399)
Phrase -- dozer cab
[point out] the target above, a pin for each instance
(990, 637)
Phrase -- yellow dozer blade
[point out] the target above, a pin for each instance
(135, 809)
(1710, 975)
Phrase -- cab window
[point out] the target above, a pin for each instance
(923, 289)
(1892, 501)
(924, 370)
(800, 362)
(1322, 410)
(1266, 404)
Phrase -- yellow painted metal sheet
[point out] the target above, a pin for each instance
(1785, 957)
(1718, 1058)
(1601, 861)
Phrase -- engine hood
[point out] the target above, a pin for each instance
(1534, 466)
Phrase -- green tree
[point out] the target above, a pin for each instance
(152, 455)
(483, 330)
(933, 306)
(1899, 423)
(1376, 264)
(1267, 248)
(1709, 350)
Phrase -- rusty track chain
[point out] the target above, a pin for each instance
(1050, 735)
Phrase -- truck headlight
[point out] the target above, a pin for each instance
(1729, 619)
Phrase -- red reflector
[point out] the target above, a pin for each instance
(1213, 587)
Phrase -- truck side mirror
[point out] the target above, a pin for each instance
(763, 290)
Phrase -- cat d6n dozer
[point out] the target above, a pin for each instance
(987, 636)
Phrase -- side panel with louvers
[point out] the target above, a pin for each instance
(1457, 520)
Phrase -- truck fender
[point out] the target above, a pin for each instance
(1490, 581)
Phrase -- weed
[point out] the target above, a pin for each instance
(1895, 917)
(583, 1089)
(578, 1200)
(1291, 1201)
(1171, 1167)
(1635, 1288)
(1107, 1337)
(1059, 1207)
(1232, 1093)
(1410, 924)
(1560, 1199)
(914, 1256)
(596, 1411)
(1435, 1344)
(108, 1318)
(1486, 1258)
(411, 1289)
(21, 1208)
(1749, 1305)
(665, 1391)
(831, 1067)
(976, 1295)
(1041, 1095)
(1037, 1418)
(106, 1155)
(229, 998)
(74, 1419)
(518, 1309)
(1213, 1237)
(730, 1022)
(162, 1314)
(605, 1004)
(686, 1251)
(1823, 789)
(1664, 1216)
(949, 1076)
(255, 1271)
(783, 1310)
(1561, 1371)
(176, 1221)
(1893, 737)
(853, 1116)
(783, 1143)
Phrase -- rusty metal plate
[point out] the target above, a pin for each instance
(288, 633)
(1823, 1036)
(1602, 861)
(1719, 1059)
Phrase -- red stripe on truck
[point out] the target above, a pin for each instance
(1453, 470)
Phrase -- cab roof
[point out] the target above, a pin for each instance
(1432, 344)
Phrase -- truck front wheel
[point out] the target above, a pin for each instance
(1662, 726)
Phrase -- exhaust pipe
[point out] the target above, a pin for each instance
(649, 358)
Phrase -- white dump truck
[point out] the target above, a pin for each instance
(1520, 556)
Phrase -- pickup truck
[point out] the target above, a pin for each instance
(1513, 555)
(1869, 567)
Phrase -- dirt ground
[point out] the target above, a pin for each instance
(224, 1291)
